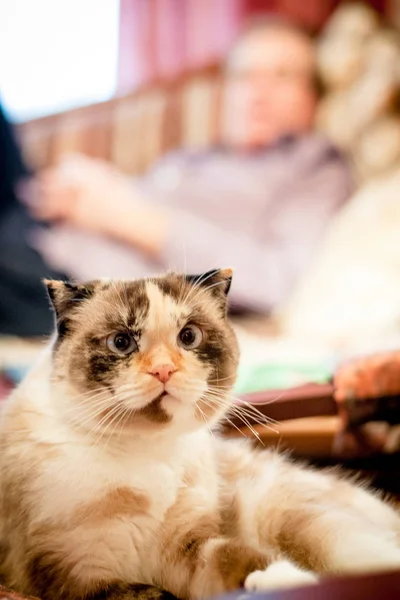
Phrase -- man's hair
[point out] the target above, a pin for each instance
(270, 22)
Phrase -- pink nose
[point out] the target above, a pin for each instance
(162, 372)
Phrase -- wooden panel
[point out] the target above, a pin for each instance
(311, 437)
(198, 112)
(134, 130)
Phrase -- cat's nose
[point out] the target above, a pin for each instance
(163, 372)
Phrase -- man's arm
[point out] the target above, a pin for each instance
(267, 266)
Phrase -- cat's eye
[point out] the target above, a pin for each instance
(121, 343)
(190, 337)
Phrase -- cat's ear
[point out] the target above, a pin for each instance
(217, 282)
(64, 296)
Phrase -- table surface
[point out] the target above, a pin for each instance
(385, 586)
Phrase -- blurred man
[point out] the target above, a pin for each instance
(259, 202)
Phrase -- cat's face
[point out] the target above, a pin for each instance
(145, 355)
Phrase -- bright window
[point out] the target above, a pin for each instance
(57, 54)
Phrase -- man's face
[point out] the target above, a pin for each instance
(268, 88)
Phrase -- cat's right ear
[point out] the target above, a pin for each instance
(64, 296)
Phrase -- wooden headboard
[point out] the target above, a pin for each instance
(131, 131)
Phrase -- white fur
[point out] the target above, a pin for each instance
(280, 574)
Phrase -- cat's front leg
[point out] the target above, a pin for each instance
(321, 522)
(217, 565)
(205, 567)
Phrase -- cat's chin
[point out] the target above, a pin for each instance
(169, 402)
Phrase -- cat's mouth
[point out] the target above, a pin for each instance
(160, 396)
(158, 399)
(166, 401)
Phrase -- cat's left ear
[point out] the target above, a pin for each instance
(217, 282)
(64, 297)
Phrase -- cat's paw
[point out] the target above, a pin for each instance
(280, 574)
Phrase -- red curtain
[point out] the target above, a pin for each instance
(163, 38)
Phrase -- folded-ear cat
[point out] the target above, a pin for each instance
(114, 482)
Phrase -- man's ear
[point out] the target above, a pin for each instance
(217, 282)
(64, 296)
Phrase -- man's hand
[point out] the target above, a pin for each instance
(81, 191)
(94, 196)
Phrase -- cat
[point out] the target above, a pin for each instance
(113, 483)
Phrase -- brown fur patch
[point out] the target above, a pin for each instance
(50, 580)
(191, 543)
(181, 543)
(229, 512)
(173, 285)
(121, 502)
(233, 561)
(289, 542)
(154, 412)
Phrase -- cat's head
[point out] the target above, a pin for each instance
(148, 355)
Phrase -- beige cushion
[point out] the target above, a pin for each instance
(352, 291)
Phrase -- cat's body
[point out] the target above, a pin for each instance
(83, 488)
(95, 498)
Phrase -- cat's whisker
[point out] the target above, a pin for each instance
(219, 379)
(270, 401)
(97, 397)
(256, 415)
(210, 405)
(251, 407)
(244, 420)
(240, 416)
(123, 413)
(250, 426)
(257, 420)
(129, 387)
(90, 404)
(89, 393)
(205, 420)
(99, 429)
(236, 427)
(255, 412)
(99, 423)
(89, 416)
(219, 388)
(247, 423)
(242, 412)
